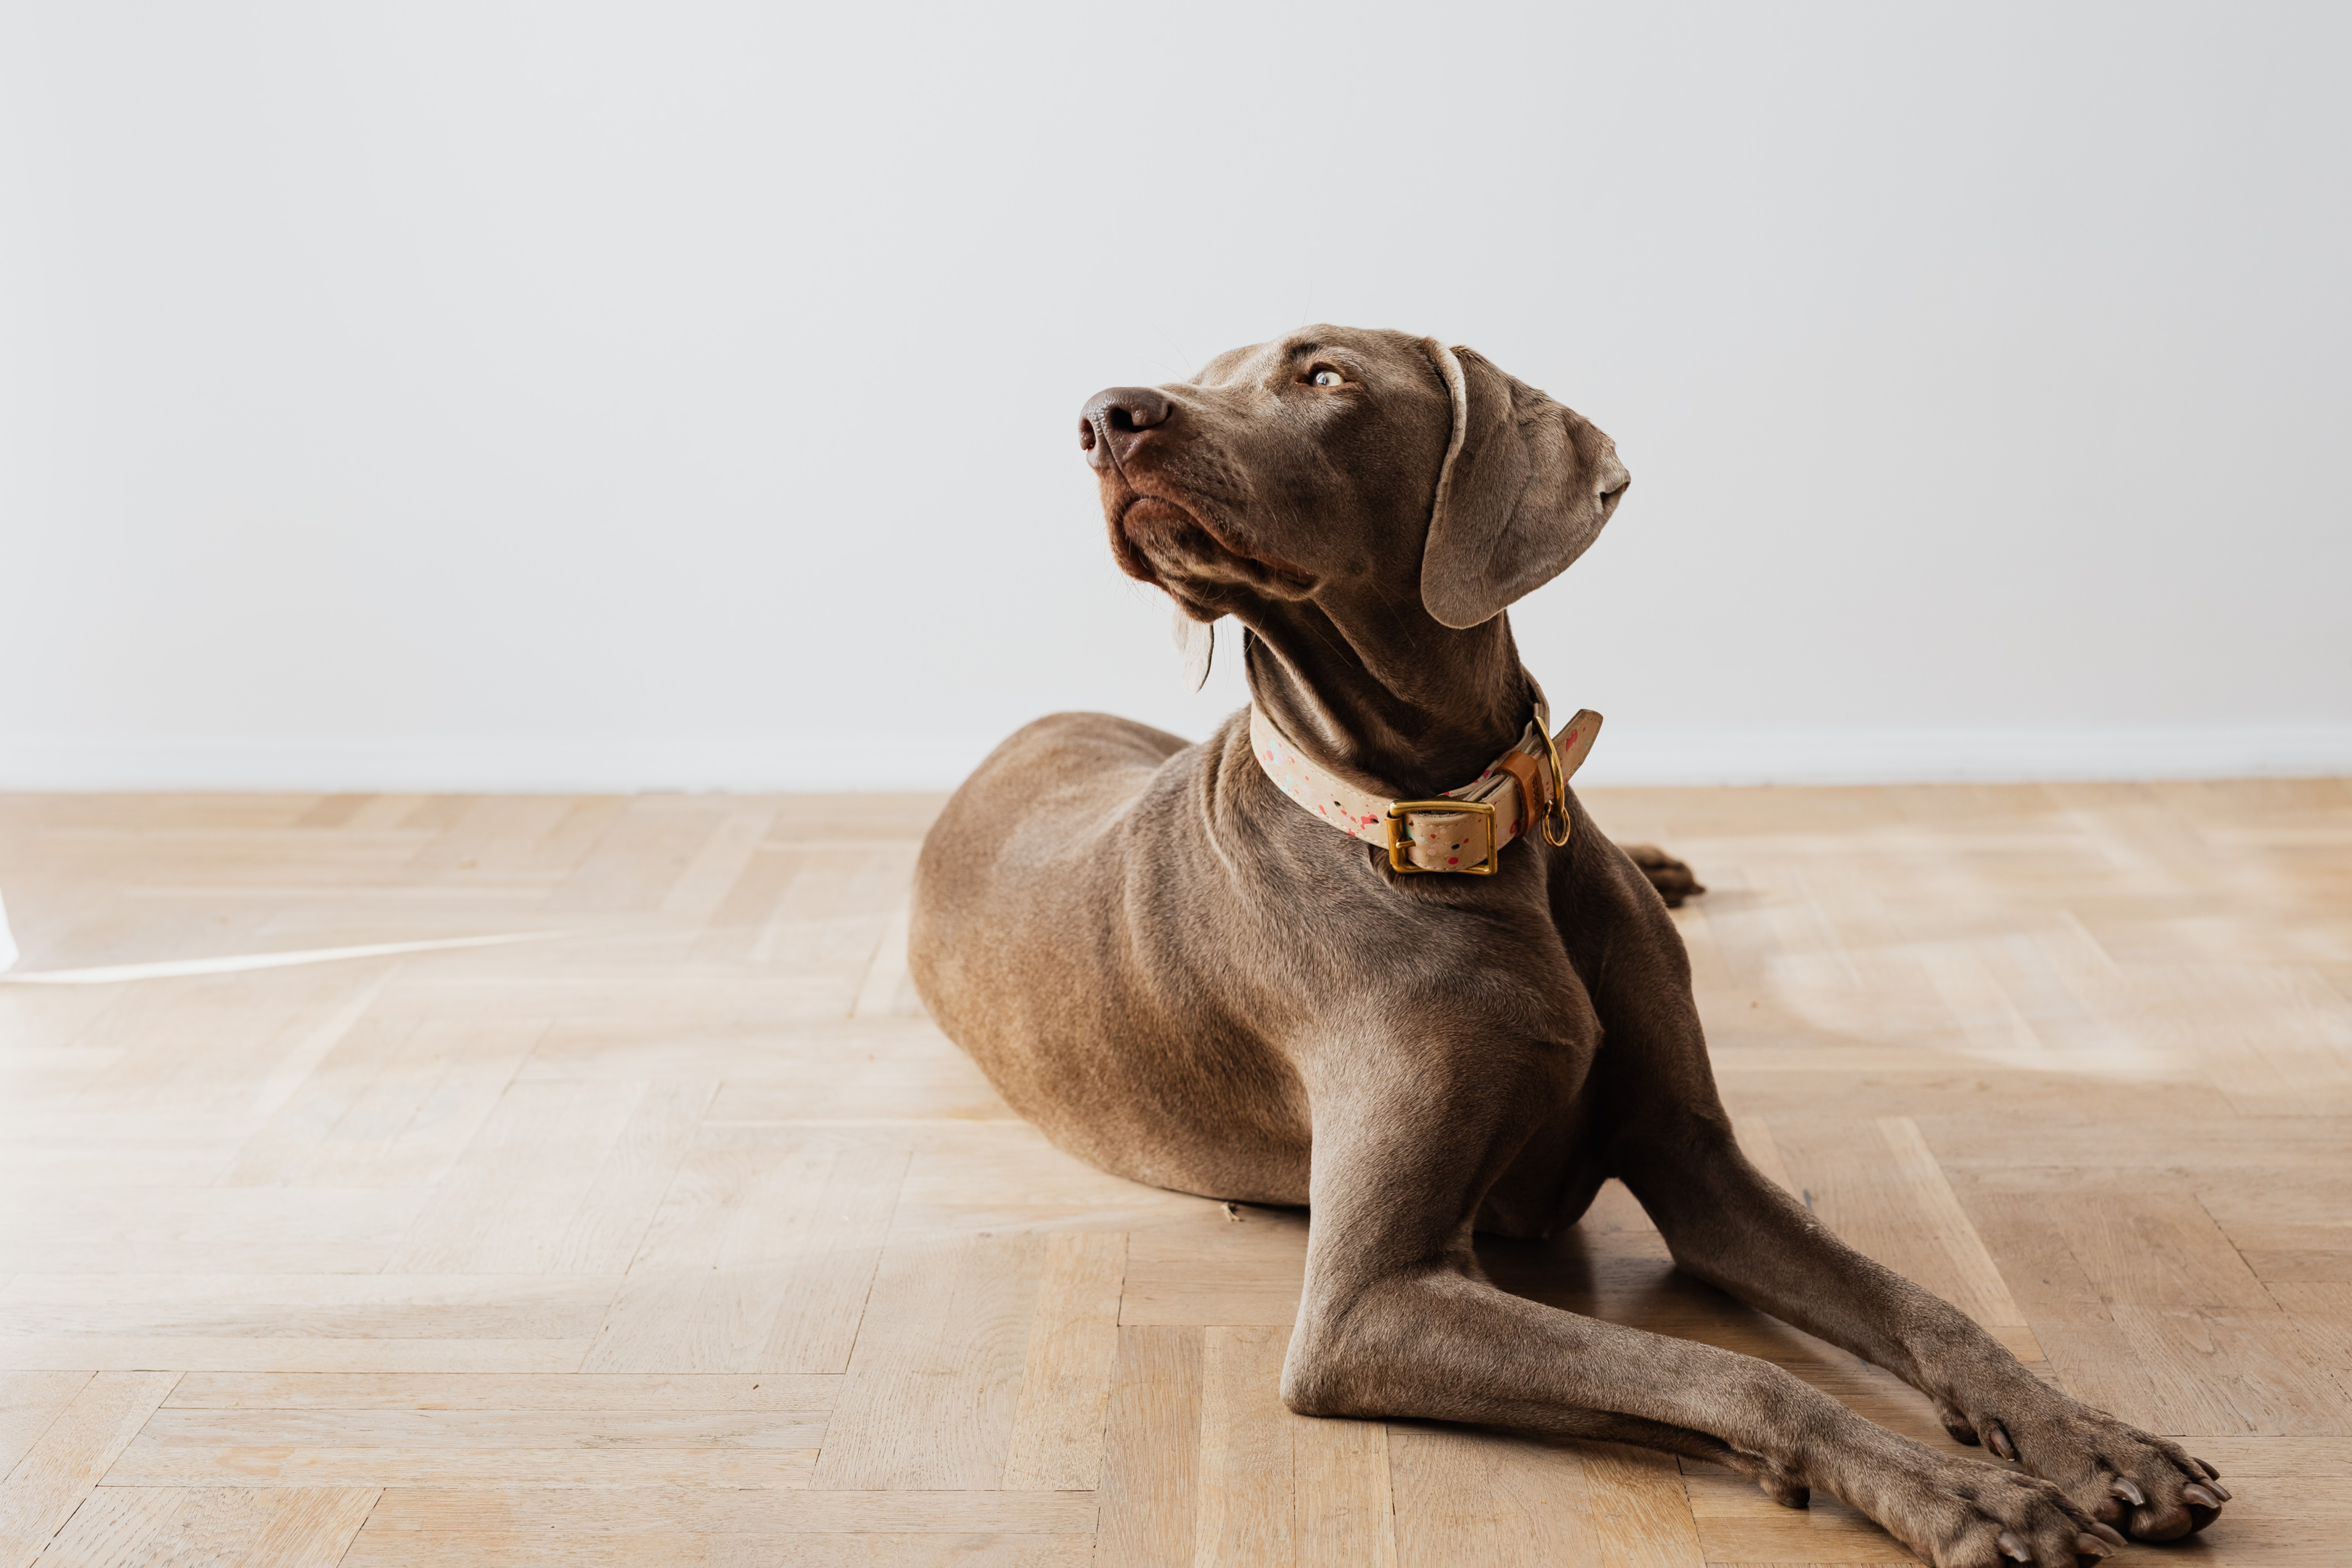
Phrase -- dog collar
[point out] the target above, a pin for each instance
(1461, 831)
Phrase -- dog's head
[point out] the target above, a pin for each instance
(1339, 464)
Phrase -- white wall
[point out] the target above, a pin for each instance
(497, 395)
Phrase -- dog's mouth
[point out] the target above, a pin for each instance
(1149, 517)
(1157, 537)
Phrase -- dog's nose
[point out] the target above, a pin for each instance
(1613, 482)
(1115, 418)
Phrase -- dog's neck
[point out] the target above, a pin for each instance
(1419, 708)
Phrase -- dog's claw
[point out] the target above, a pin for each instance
(2090, 1546)
(2210, 1473)
(2129, 1490)
(2201, 1495)
(2109, 1534)
(2011, 1546)
(1997, 1440)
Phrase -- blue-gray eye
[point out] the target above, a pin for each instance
(1326, 377)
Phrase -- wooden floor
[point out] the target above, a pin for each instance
(676, 1235)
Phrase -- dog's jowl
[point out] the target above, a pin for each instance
(1362, 949)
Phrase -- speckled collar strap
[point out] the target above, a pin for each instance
(1463, 830)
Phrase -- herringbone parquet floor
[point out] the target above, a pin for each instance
(674, 1234)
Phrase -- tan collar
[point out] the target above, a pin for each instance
(1464, 829)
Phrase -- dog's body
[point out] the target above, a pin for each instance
(1185, 978)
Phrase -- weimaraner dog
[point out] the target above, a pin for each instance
(1220, 968)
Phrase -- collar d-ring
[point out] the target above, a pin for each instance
(1558, 804)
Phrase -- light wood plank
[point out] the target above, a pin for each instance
(409, 1126)
(1057, 1426)
(1245, 1508)
(1975, 1282)
(2216, 1353)
(510, 1549)
(1211, 1269)
(225, 1230)
(762, 1513)
(1640, 1512)
(1341, 1512)
(312, 1529)
(1878, 1186)
(165, 1465)
(930, 1398)
(885, 991)
(759, 1260)
(128, 1352)
(434, 1391)
(137, 1527)
(377, 1428)
(1278, 1488)
(65, 1462)
(1151, 1450)
(29, 1402)
(328, 1306)
(716, 868)
(1465, 1497)
(563, 1177)
(640, 857)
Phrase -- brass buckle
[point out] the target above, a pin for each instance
(1398, 863)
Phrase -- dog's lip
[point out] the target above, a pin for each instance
(1136, 497)
(1298, 576)
(1136, 494)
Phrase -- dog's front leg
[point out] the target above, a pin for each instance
(1728, 1224)
(1397, 1320)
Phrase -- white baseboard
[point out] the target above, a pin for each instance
(617, 766)
(1627, 754)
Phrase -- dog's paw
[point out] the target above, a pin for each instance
(1673, 879)
(2149, 1487)
(1960, 1514)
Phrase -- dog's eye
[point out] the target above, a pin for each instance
(1326, 377)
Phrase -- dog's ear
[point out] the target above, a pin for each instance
(1525, 488)
(1196, 645)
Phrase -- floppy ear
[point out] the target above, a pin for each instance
(1525, 488)
(1196, 644)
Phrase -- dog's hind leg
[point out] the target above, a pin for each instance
(1397, 1320)
(1674, 880)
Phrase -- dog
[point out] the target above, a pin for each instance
(1182, 965)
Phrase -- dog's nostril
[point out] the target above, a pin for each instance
(1124, 410)
(1085, 434)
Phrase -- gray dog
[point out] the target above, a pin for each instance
(1217, 968)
